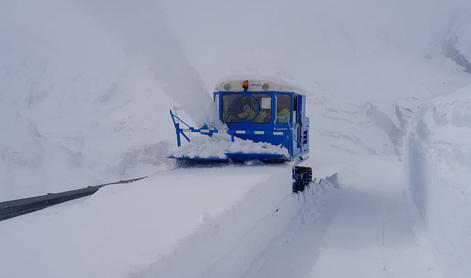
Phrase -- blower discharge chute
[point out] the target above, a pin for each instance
(263, 121)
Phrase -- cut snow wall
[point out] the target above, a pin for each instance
(438, 165)
(230, 242)
(227, 245)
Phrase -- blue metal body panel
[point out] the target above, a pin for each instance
(264, 157)
(237, 157)
(293, 136)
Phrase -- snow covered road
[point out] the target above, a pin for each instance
(235, 222)
(366, 228)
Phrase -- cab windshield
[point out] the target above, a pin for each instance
(253, 108)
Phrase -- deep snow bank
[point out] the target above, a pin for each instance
(122, 230)
(174, 224)
(439, 170)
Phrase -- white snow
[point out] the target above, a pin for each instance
(164, 226)
(217, 146)
(373, 232)
(122, 229)
(85, 90)
(439, 171)
(367, 227)
(75, 108)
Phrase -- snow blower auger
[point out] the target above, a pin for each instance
(263, 122)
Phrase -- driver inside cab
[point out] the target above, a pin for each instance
(282, 117)
(247, 113)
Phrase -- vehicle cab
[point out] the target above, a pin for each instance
(263, 111)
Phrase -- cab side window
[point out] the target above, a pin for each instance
(283, 109)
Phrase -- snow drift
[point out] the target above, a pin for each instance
(85, 86)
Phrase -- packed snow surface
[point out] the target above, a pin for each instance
(366, 227)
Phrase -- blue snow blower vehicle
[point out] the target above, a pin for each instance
(260, 113)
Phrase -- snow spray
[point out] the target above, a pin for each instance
(142, 28)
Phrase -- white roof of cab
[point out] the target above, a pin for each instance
(255, 86)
